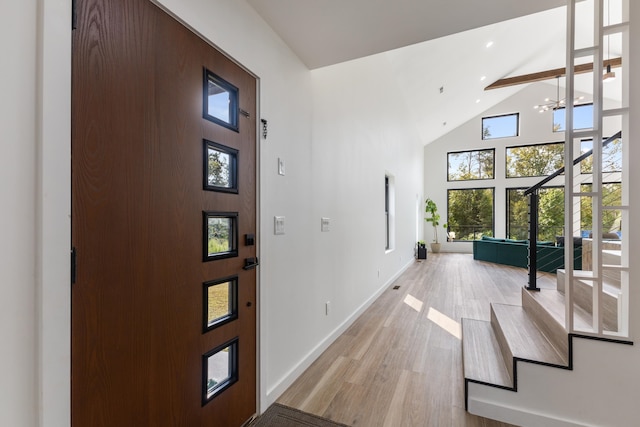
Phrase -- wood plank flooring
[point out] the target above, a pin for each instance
(400, 363)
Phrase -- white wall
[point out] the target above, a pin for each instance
(535, 128)
(601, 390)
(340, 175)
(18, 214)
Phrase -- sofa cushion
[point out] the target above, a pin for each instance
(492, 239)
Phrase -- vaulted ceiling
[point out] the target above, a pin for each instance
(325, 32)
(461, 46)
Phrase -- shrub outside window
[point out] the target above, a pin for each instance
(470, 213)
(534, 160)
(611, 218)
(550, 213)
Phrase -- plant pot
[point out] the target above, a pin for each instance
(422, 252)
(435, 247)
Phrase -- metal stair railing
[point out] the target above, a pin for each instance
(534, 192)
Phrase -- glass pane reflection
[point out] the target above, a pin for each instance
(220, 369)
(220, 101)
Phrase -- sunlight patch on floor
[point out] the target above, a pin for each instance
(445, 322)
(413, 302)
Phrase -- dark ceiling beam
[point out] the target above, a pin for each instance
(549, 74)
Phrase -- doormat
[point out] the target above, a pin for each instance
(283, 416)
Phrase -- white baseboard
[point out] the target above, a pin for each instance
(517, 416)
(281, 386)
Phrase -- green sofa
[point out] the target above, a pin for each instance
(516, 253)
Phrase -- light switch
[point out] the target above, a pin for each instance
(324, 227)
(280, 166)
(278, 225)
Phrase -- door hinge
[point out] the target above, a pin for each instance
(74, 15)
(73, 265)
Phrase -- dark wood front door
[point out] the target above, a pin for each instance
(163, 223)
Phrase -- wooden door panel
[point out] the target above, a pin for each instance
(137, 138)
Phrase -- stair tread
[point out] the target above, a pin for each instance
(524, 338)
(553, 301)
(482, 359)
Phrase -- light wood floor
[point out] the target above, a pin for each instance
(399, 364)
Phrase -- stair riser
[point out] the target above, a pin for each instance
(583, 297)
(554, 331)
(481, 356)
(507, 355)
(560, 281)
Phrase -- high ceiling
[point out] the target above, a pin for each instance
(326, 32)
(461, 46)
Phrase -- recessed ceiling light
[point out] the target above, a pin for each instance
(483, 78)
(477, 101)
(489, 44)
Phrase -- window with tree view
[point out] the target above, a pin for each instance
(469, 165)
(611, 218)
(611, 156)
(534, 160)
(470, 213)
(550, 213)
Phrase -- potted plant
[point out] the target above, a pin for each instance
(422, 249)
(431, 209)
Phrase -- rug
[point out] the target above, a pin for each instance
(283, 416)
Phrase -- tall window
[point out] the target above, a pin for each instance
(534, 160)
(386, 211)
(389, 212)
(469, 165)
(550, 213)
(504, 126)
(470, 213)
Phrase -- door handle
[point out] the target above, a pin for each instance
(250, 263)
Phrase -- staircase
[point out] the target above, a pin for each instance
(549, 361)
(534, 332)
